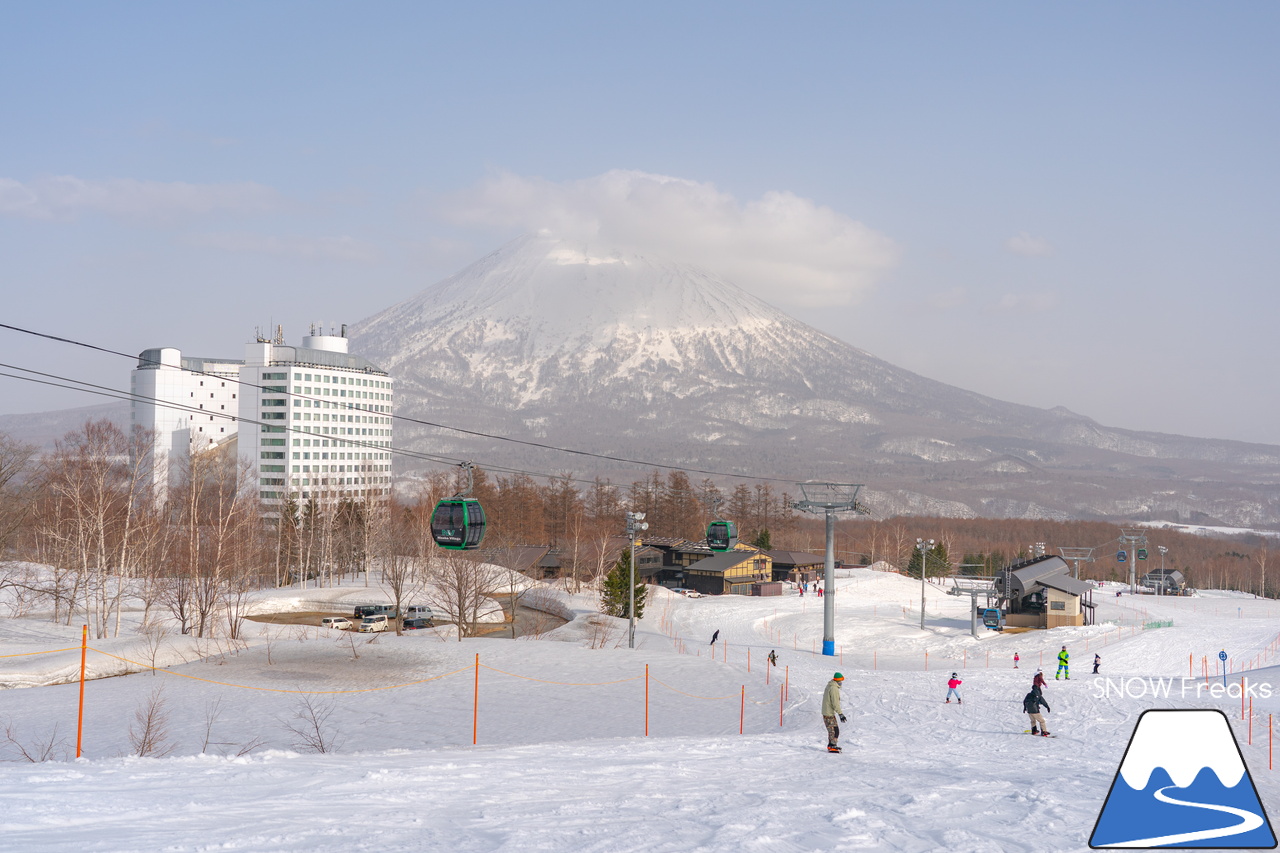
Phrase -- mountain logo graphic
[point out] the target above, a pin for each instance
(1183, 783)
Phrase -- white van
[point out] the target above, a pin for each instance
(380, 622)
(342, 623)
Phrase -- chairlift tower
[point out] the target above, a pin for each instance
(829, 498)
(1132, 539)
(1077, 556)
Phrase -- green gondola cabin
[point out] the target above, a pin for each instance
(722, 535)
(457, 524)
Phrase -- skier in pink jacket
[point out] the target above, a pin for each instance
(953, 686)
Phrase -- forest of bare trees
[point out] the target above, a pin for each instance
(82, 532)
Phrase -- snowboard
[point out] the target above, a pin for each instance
(1028, 731)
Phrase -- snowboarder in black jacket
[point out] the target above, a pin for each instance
(1031, 704)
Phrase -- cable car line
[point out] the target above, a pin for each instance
(420, 422)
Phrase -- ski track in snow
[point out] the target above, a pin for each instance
(568, 768)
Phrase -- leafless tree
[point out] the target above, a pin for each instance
(458, 591)
(17, 490)
(154, 633)
(401, 556)
(311, 728)
(149, 733)
(48, 748)
(217, 553)
(95, 498)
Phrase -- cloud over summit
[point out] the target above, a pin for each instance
(779, 246)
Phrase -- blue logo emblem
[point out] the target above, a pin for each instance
(1183, 783)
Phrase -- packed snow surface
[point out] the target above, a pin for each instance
(576, 750)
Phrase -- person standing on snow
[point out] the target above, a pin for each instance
(1097, 662)
(773, 658)
(1064, 665)
(1038, 682)
(1015, 660)
(1031, 704)
(715, 636)
(831, 711)
(953, 686)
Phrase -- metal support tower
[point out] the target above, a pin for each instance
(1077, 556)
(1135, 537)
(829, 498)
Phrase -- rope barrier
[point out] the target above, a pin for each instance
(466, 668)
(691, 695)
(565, 683)
(51, 651)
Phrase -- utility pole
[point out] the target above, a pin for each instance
(829, 498)
(635, 524)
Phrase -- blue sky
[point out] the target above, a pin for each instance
(1053, 204)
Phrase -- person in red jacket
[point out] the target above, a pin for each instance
(1038, 682)
(953, 686)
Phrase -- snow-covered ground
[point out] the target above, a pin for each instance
(562, 760)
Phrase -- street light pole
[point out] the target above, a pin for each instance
(1164, 581)
(924, 545)
(635, 523)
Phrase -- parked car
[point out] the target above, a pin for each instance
(419, 610)
(342, 623)
(414, 623)
(687, 593)
(374, 609)
(377, 622)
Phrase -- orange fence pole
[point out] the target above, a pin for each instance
(84, 650)
(475, 705)
(786, 685)
(1191, 673)
(646, 700)
(742, 711)
(781, 694)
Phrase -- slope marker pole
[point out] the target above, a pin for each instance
(84, 650)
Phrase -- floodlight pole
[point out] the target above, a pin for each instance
(829, 498)
(635, 523)
(924, 545)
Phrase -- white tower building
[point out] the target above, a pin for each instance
(313, 421)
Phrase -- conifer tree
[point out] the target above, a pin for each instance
(614, 597)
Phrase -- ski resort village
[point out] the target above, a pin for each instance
(648, 427)
(230, 627)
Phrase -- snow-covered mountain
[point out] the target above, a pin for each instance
(630, 354)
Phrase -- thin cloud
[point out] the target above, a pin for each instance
(947, 300)
(1026, 303)
(778, 246)
(308, 248)
(1028, 246)
(66, 197)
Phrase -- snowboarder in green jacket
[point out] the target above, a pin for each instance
(1064, 665)
(831, 711)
